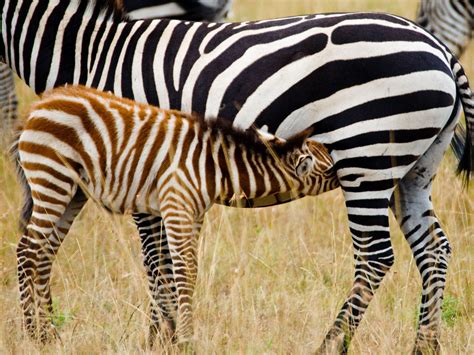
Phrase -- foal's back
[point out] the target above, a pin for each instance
(115, 147)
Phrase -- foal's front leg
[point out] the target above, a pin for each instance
(183, 229)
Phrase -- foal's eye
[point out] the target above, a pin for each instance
(304, 165)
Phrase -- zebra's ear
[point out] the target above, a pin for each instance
(304, 165)
(268, 137)
(321, 154)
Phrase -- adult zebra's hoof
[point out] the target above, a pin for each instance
(432, 347)
(427, 341)
(161, 334)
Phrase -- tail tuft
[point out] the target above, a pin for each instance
(462, 143)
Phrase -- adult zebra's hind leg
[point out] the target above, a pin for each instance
(161, 282)
(412, 206)
(373, 256)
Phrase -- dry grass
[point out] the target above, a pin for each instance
(270, 280)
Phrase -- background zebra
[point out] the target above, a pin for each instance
(197, 10)
(8, 99)
(384, 102)
(452, 21)
(137, 158)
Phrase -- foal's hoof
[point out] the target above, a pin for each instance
(161, 336)
(186, 347)
(334, 343)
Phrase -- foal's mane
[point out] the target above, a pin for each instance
(250, 137)
(112, 8)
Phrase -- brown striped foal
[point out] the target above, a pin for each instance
(79, 143)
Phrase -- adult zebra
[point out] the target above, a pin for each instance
(197, 10)
(452, 21)
(8, 99)
(382, 93)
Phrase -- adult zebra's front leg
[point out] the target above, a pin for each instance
(373, 254)
(161, 282)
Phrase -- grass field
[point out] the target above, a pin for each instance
(270, 281)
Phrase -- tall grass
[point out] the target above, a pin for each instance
(270, 280)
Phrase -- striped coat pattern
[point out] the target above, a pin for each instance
(381, 93)
(193, 10)
(8, 99)
(79, 143)
(183, 9)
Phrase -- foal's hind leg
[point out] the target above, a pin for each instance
(412, 206)
(46, 230)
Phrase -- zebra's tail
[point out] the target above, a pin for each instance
(462, 143)
(27, 209)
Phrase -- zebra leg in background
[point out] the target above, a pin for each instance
(373, 254)
(35, 255)
(412, 206)
(161, 282)
(8, 99)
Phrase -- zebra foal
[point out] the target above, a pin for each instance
(79, 143)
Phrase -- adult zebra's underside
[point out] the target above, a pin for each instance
(379, 91)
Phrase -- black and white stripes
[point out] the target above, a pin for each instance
(197, 10)
(8, 99)
(382, 93)
(193, 10)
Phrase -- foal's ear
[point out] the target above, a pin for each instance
(299, 139)
(304, 165)
(321, 155)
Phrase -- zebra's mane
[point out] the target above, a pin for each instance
(250, 138)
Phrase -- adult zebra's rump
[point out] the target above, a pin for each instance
(380, 92)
